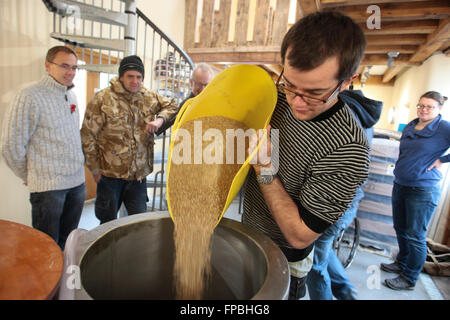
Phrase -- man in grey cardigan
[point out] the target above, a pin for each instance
(41, 144)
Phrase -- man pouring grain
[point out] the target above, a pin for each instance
(323, 153)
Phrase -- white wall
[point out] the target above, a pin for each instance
(168, 15)
(24, 41)
(433, 74)
(25, 26)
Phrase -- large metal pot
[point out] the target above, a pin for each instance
(133, 257)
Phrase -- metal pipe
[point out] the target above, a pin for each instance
(130, 29)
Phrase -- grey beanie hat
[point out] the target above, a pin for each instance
(131, 63)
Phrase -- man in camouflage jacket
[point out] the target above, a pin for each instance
(117, 138)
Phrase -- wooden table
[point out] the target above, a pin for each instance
(31, 263)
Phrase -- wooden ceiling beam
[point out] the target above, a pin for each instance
(385, 48)
(374, 80)
(308, 6)
(402, 27)
(393, 71)
(420, 10)
(233, 55)
(382, 59)
(407, 39)
(340, 3)
(434, 42)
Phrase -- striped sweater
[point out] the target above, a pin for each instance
(321, 164)
(41, 137)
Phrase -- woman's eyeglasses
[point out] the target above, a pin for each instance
(421, 106)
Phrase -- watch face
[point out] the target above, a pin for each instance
(264, 179)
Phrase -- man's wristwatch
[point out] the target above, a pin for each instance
(265, 179)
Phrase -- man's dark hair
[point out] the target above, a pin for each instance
(51, 53)
(435, 96)
(322, 35)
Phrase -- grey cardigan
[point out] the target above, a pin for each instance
(41, 137)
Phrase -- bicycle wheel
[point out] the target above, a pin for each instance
(347, 242)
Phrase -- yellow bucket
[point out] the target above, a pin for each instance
(244, 93)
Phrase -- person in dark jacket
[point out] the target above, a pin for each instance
(327, 277)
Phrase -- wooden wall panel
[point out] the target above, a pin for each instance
(261, 23)
(189, 23)
(240, 37)
(206, 24)
(280, 22)
(221, 24)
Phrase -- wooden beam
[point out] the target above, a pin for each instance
(309, 6)
(221, 25)
(190, 17)
(446, 51)
(280, 21)
(438, 9)
(407, 39)
(393, 71)
(402, 27)
(340, 3)
(434, 41)
(387, 48)
(382, 59)
(251, 55)
(206, 23)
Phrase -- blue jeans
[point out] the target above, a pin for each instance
(111, 192)
(412, 209)
(57, 212)
(327, 276)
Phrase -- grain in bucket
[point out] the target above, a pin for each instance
(201, 182)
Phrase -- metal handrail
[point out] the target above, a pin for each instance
(165, 37)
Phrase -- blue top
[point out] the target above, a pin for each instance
(419, 149)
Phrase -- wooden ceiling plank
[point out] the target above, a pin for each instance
(434, 42)
(382, 59)
(309, 6)
(387, 48)
(392, 72)
(402, 27)
(280, 21)
(190, 17)
(438, 9)
(221, 24)
(407, 39)
(375, 80)
(237, 57)
(339, 3)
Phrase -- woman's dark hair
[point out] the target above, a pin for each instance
(321, 35)
(51, 53)
(435, 96)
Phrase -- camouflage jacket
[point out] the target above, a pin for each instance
(113, 132)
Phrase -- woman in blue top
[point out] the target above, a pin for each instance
(416, 192)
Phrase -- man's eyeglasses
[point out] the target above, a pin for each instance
(420, 106)
(310, 100)
(66, 67)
